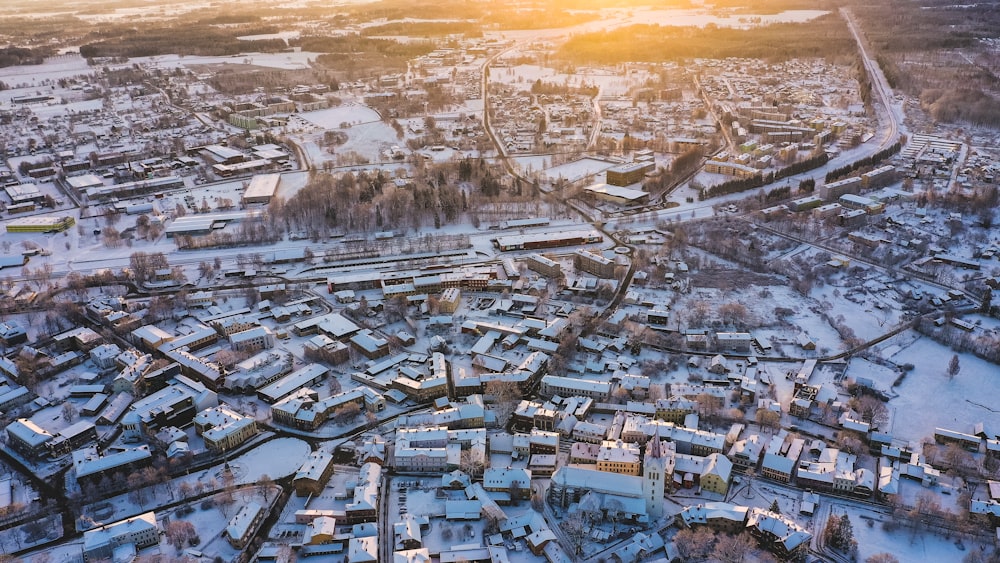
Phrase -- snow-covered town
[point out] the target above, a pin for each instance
(441, 283)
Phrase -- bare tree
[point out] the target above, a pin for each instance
(179, 533)
(953, 367)
(872, 410)
(575, 530)
(733, 548)
(505, 395)
(694, 544)
(882, 558)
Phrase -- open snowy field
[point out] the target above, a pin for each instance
(902, 543)
(341, 116)
(968, 397)
(578, 169)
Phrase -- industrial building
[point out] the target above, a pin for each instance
(262, 188)
(548, 240)
(617, 194)
(631, 173)
(41, 224)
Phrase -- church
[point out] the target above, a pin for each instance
(616, 496)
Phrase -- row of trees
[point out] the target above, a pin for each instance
(865, 162)
(737, 185)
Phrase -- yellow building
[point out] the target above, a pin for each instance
(620, 457)
(450, 299)
(41, 224)
(715, 476)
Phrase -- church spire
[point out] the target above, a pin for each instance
(655, 449)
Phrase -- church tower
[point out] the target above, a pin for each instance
(654, 474)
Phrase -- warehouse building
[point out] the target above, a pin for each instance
(262, 188)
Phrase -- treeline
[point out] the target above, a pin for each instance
(982, 344)
(37, 30)
(864, 162)
(825, 36)
(961, 104)
(737, 185)
(685, 163)
(354, 44)
(356, 54)
(423, 29)
(422, 9)
(249, 233)
(892, 25)
(237, 80)
(15, 56)
(802, 166)
(543, 17)
(203, 40)
(540, 88)
(916, 50)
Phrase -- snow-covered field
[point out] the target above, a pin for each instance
(902, 543)
(278, 458)
(341, 116)
(929, 399)
(577, 170)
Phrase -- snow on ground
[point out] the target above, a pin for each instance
(278, 458)
(882, 376)
(578, 169)
(45, 529)
(63, 552)
(211, 518)
(532, 163)
(289, 61)
(902, 543)
(372, 139)
(53, 68)
(870, 308)
(968, 395)
(335, 118)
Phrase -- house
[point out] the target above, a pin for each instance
(781, 456)
(27, 438)
(408, 532)
(243, 526)
(92, 466)
(615, 456)
(720, 516)
(223, 429)
(364, 506)
(371, 346)
(778, 534)
(451, 298)
(716, 474)
(734, 341)
(139, 531)
(312, 477)
(257, 338)
(567, 387)
(512, 481)
(320, 531)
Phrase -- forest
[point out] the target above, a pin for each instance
(13, 56)
(424, 29)
(939, 54)
(354, 55)
(826, 36)
(195, 39)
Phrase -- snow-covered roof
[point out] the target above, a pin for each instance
(242, 523)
